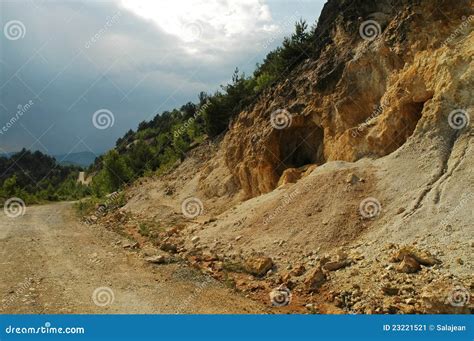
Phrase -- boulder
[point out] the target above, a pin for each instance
(258, 266)
(315, 279)
(298, 270)
(290, 175)
(423, 257)
(409, 265)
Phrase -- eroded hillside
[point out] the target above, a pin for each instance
(348, 184)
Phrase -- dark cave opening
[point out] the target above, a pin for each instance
(299, 146)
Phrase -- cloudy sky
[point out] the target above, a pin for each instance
(125, 61)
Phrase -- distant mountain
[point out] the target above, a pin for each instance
(83, 159)
(7, 155)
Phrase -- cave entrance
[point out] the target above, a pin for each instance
(299, 146)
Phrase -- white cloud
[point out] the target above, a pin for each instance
(200, 24)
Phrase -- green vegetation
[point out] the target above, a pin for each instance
(35, 178)
(159, 144)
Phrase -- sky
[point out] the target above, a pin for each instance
(76, 75)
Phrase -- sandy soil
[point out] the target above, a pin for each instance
(50, 263)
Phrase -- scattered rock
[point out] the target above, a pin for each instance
(290, 175)
(298, 270)
(259, 266)
(333, 266)
(352, 179)
(409, 265)
(389, 290)
(422, 257)
(315, 280)
(443, 297)
(159, 259)
(195, 239)
(169, 247)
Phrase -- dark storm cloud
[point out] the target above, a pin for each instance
(80, 57)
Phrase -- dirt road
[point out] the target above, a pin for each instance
(51, 263)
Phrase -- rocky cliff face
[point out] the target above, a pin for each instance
(383, 69)
(351, 177)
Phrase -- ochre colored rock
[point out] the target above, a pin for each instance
(258, 266)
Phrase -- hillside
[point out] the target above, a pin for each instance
(35, 177)
(345, 183)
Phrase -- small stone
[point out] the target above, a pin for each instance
(259, 266)
(159, 259)
(195, 239)
(333, 266)
(423, 257)
(169, 247)
(298, 270)
(238, 238)
(401, 210)
(389, 290)
(315, 279)
(409, 265)
(352, 179)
